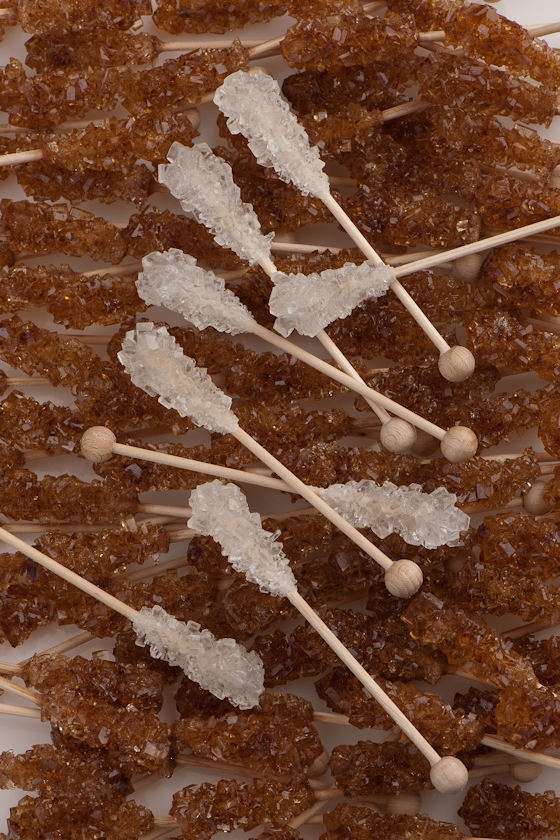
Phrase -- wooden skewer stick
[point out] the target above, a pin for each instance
(16, 381)
(19, 711)
(172, 639)
(487, 244)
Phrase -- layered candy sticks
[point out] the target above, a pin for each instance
(204, 185)
(222, 512)
(276, 139)
(421, 519)
(156, 364)
(172, 279)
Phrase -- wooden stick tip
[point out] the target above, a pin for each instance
(533, 500)
(404, 578)
(397, 435)
(459, 444)
(456, 364)
(466, 269)
(449, 775)
(97, 444)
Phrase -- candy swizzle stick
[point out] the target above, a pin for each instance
(204, 185)
(173, 279)
(156, 364)
(221, 511)
(221, 666)
(255, 108)
(428, 519)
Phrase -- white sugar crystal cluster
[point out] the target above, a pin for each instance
(221, 666)
(221, 511)
(174, 280)
(254, 106)
(156, 364)
(204, 185)
(309, 303)
(428, 519)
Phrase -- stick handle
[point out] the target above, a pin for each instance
(366, 679)
(311, 496)
(16, 158)
(476, 247)
(20, 711)
(421, 319)
(198, 466)
(338, 356)
(522, 754)
(347, 381)
(68, 575)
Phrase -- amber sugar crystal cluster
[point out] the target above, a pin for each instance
(429, 116)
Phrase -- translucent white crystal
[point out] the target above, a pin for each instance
(221, 511)
(174, 280)
(428, 519)
(204, 185)
(155, 362)
(254, 106)
(309, 303)
(221, 666)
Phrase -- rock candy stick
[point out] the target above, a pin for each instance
(221, 666)
(204, 185)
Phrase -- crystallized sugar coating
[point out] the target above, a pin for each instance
(254, 107)
(309, 303)
(221, 511)
(174, 280)
(221, 666)
(156, 364)
(204, 185)
(428, 519)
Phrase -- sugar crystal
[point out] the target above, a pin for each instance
(254, 106)
(156, 364)
(309, 303)
(222, 666)
(174, 280)
(221, 511)
(204, 185)
(428, 519)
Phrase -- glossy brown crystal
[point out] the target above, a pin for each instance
(360, 822)
(204, 809)
(501, 811)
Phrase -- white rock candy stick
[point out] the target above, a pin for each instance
(155, 363)
(204, 185)
(174, 280)
(255, 107)
(221, 511)
(222, 666)
(428, 519)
